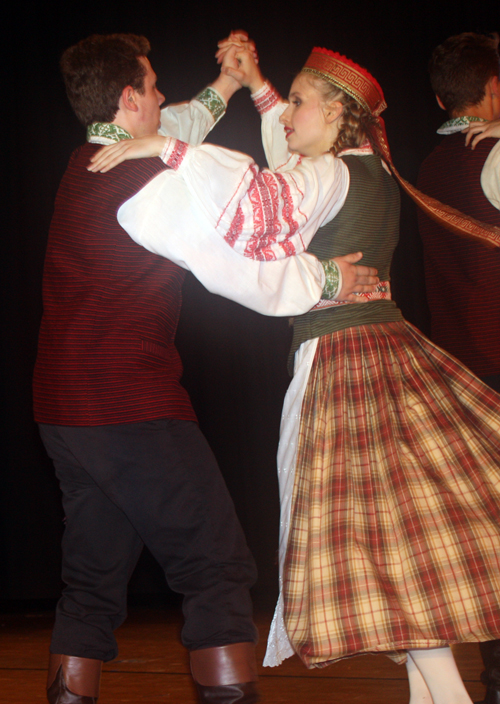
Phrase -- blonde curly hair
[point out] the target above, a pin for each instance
(357, 124)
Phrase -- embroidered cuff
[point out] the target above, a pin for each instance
(214, 103)
(265, 98)
(333, 280)
(173, 152)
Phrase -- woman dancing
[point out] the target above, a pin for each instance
(389, 450)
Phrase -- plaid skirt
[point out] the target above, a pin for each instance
(394, 537)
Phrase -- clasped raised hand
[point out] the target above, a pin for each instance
(239, 59)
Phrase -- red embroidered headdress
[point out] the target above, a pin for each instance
(349, 77)
(360, 85)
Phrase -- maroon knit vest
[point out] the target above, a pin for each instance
(106, 348)
(462, 277)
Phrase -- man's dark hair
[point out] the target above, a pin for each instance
(461, 67)
(97, 69)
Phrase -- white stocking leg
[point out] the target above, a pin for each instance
(419, 691)
(439, 670)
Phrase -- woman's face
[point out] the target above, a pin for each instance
(309, 128)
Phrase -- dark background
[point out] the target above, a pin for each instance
(234, 358)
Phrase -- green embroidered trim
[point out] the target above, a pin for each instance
(457, 124)
(212, 101)
(107, 131)
(332, 280)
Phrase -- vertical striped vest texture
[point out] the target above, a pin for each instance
(106, 349)
(462, 277)
(368, 223)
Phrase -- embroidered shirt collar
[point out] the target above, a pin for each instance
(457, 124)
(106, 133)
(363, 150)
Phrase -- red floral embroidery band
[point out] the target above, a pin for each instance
(173, 152)
(266, 98)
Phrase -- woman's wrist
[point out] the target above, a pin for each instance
(173, 152)
(265, 98)
(257, 84)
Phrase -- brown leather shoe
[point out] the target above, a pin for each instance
(73, 680)
(246, 693)
(226, 675)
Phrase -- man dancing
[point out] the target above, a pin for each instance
(133, 466)
(463, 277)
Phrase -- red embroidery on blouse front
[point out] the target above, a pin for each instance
(265, 200)
(236, 228)
(287, 211)
(272, 218)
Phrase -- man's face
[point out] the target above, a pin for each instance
(148, 115)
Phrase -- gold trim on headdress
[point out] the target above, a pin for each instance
(349, 77)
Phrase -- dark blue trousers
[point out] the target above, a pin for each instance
(154, 483)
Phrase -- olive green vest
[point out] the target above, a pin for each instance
(368, 223)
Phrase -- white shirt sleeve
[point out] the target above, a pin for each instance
(235, 226)
(165, 219)
(261, 213)
(192, 121)
(490, 176)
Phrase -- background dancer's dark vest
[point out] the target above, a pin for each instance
(462, 277)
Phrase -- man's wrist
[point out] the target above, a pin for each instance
(213, 101)
(225, 86)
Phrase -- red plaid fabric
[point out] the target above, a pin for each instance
(395, 540)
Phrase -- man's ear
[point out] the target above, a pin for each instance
(440, 102)
(493, 86)
(332, 111)
(127, 99)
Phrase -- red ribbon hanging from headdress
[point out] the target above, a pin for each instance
(360, 85)
(450, 218)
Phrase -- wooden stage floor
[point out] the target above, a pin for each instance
(153, 667)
